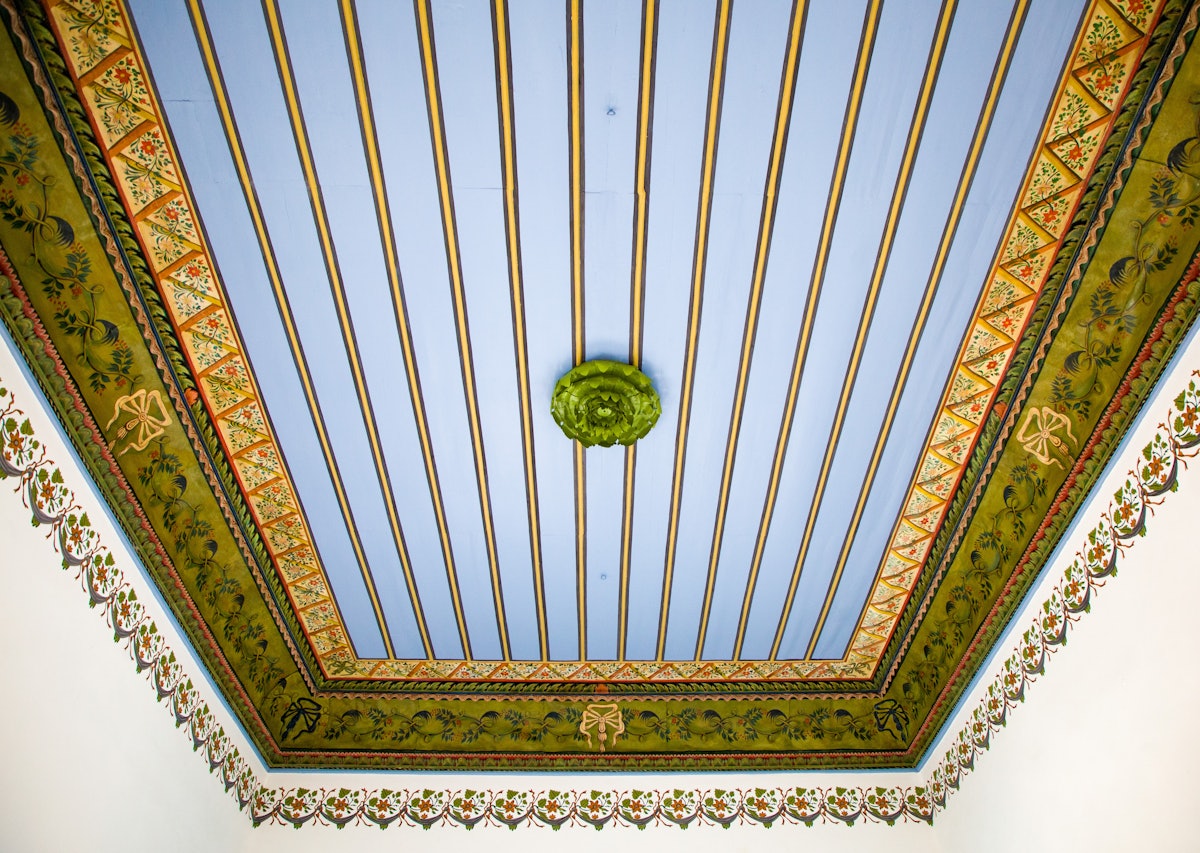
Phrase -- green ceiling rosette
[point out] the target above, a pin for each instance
(605, 403)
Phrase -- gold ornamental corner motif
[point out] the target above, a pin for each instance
(597, 719)
(147, 419)
(1037, 434)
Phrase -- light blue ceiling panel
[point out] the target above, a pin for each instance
(684, 57)
(408, 306)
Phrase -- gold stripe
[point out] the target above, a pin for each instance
(637, 289)
(881, 262)
(391, 258)
(453, 261)
(575, 127)
(900, 191)
(783, 119)
(1016, 22)
(712, 127)
(212, 66)
(337, 288)
(837, 184)
(627, 496)
(508, 154)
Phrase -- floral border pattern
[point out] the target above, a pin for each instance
(107, 65)
(53, 504)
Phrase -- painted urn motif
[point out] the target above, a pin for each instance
(605, 403)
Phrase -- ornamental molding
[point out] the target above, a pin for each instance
(130, 613)
(603, 403)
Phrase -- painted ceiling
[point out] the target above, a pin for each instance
(299, 280)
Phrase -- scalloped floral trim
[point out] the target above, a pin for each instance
(44, 492)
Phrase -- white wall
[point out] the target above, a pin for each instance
(88, 759)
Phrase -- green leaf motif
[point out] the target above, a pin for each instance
(605, 403)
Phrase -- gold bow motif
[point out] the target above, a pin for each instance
(149, 425)
(599, 718)
(1046, 421)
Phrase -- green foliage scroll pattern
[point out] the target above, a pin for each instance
(27, 206)
(196, 554)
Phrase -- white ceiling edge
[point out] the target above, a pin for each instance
(231, 755)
